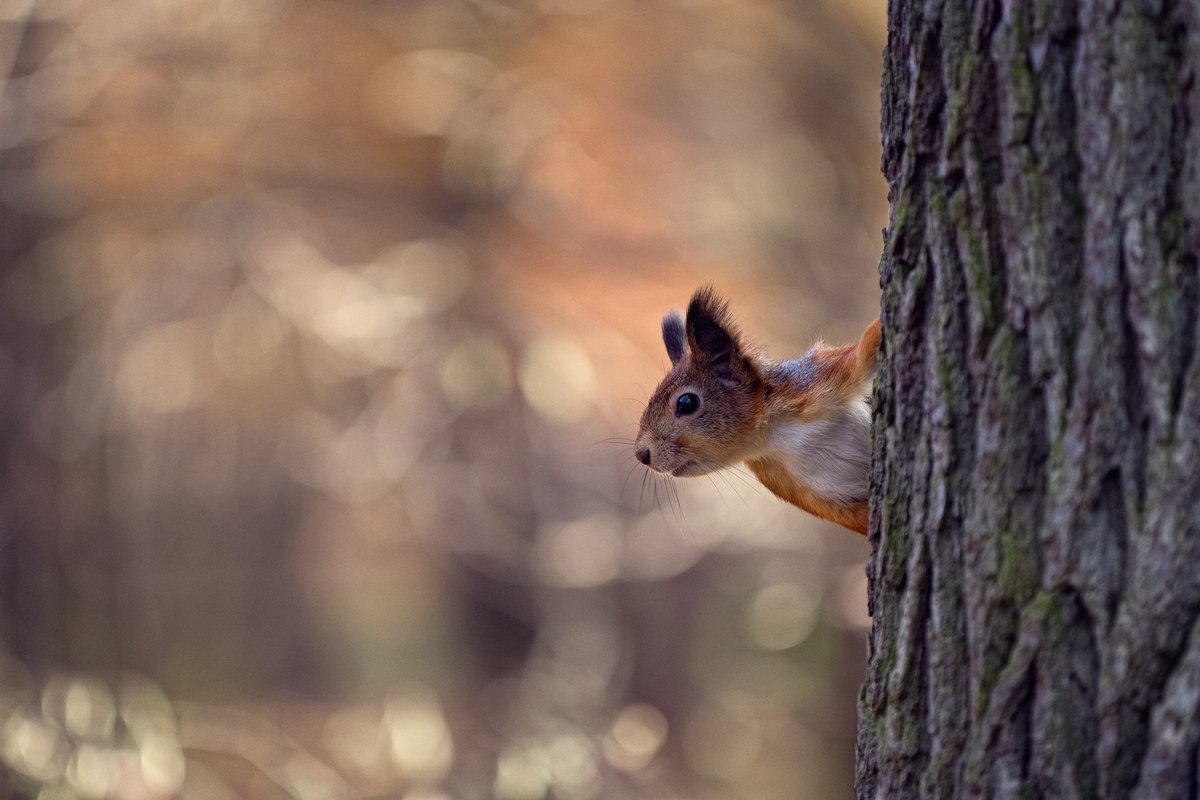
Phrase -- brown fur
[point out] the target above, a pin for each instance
(746, 400)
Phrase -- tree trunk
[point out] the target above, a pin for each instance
(1035, 579)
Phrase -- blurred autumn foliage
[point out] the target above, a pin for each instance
(317, 320)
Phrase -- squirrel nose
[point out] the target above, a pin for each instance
(643, 454)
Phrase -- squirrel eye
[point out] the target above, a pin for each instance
(687, 403)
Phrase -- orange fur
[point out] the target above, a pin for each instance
(785, 486)
(845, 369)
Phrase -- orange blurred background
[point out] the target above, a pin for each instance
(317, 322)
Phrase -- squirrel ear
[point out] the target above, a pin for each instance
(711, 333)
(674, 336)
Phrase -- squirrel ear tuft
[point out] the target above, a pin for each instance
(712, 335)
(674, 336)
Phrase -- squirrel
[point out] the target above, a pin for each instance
(803, 427)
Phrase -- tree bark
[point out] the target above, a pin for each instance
(1035, 578)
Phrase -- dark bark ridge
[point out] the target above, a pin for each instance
(1035, 578)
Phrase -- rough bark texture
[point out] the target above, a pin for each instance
(1036, 488)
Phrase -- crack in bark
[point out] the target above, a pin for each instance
(1170, 758)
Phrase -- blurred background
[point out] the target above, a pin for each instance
(325, 328)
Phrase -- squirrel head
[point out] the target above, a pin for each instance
(706, 412)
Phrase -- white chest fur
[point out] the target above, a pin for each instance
(831, 456)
